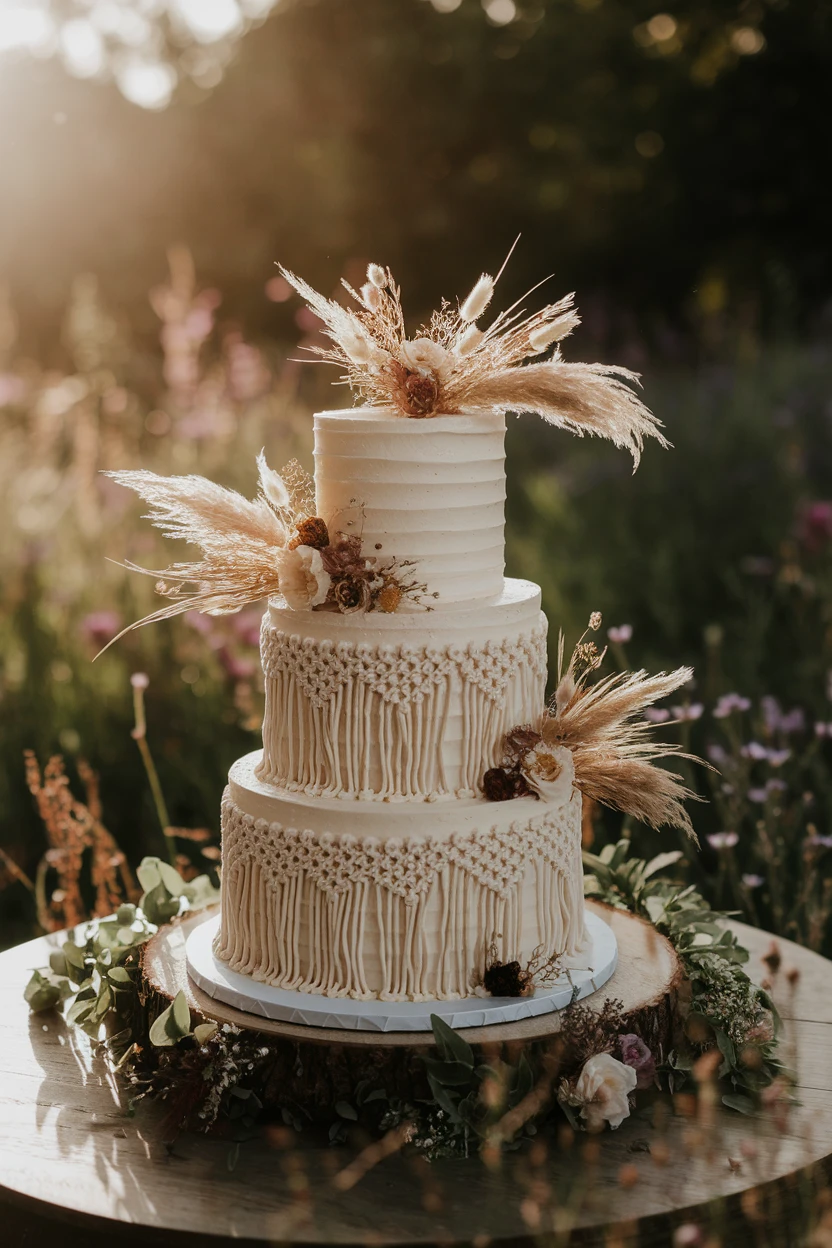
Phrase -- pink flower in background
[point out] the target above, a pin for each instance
(139, 680)
(657, 714)
(716, 753)
(620, 635)
(690, 712)
(100, 626)
(754, 750)
(752, 881)
(246, 626)
(730, 702)
(723, 840)
(823, 730)
(236, 668)
(778, 757)
(758, 795)
(778, 720)
(815, 525)
(12, 389)
(635, 1053)
(200, 623)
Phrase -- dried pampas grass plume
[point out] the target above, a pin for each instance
(469, 367)
(614, 755)
(239, 540)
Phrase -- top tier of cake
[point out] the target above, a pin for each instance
(432, 491)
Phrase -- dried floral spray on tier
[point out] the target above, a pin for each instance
(254, 549)
(453, 364)
(602, 725)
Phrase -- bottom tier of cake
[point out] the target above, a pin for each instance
(405, 902)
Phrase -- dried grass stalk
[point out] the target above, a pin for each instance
(453, 365)
(614, 755)
(239, 539)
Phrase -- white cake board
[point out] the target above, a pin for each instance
(584, 975)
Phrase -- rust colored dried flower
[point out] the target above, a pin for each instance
(499, 784)
(351, 593)
(310, 532)
(507, 979)
(388, 598)
(422, 394)
(595, 621)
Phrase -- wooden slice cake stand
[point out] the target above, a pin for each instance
(70, 1152)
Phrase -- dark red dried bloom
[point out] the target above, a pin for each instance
(507, 979)
(499, 784)
(351, 593)
(311, 532)
(422, 394)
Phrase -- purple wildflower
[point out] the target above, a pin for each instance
(778, 757)
(716, 753)
(819, 841)
(100, 626)
(657, 714)
(693, 710)
(752, 881)
(754, 750)
(730, 702)
(620, 635)
(723, 840)
(758, 795)
(635, 1053)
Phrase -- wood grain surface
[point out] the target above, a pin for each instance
(69, 1152)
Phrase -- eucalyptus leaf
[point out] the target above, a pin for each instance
(203, 1032)
(449, 1073)
(148, 874)
(661, 862)
(126, 914)
(450, 1043)
(345, 1110)
(119, 975)
(742, 1104)
(41, 993)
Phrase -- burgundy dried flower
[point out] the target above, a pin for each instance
(507, 979)
(343, 556)
(422, 394)
(635, 1053)
(520, 741)
(501, 785)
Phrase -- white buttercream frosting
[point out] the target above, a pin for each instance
(361, 901)
(399, 707)
(430, 490)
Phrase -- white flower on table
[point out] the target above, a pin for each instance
(602, 1091)
(303, 580)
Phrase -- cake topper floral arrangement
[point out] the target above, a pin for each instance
(258, 548)
(456, 364)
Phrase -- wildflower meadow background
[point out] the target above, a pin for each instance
(665, 165)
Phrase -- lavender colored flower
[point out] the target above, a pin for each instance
(793, 721)
(750, 880)
(693, 710)
(635, 1053)
(758, 795)
(778, 757)
(815, 528)
(819, 841)
(754, 750)
(823, 730)
(716, 753)
(100, 626)
(730, 702)
(620, 635)
(139, 680)
(776, 786)
(657, 714)
(778, 720)
(723, 840)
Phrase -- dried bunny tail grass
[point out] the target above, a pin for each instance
(584, 398)
(196, 510)
(614, 759)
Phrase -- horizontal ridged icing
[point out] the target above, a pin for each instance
(431, 490)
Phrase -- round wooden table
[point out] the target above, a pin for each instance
(74, 1165)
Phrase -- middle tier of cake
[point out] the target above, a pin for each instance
(404, 902)
(403, 707)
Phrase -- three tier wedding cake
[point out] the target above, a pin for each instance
(414, 817)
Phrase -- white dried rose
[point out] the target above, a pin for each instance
(549, 769)
(423, 355)
(302, 578)
(602, 1091)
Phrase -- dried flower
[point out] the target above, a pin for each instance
(478, 300)
(371, 296)
(602, 1091)
(302, 578)
(542, 763)
(635, 1053)
(507, 979)
(595, 621)
(554, 331)
(312, 531)
(620, 635)
(501, 785)
(468, 340)
(343, 557)
(519, 741)
(139, 680)
(422, 394)
(388, 598)
(424, 356)
(272, 484)
(377, 275)
(350, 594)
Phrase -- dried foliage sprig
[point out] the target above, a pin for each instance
(613, 753)
(603, 727)
(239, 539)
(453, 365)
